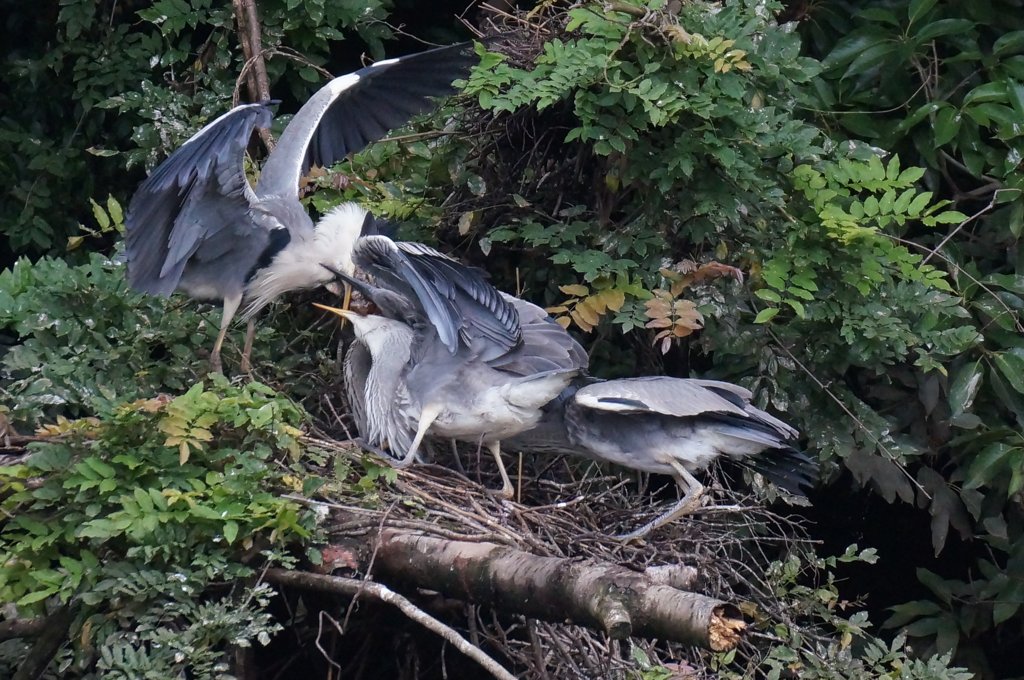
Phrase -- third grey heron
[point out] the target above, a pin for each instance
(671, 426)
(196, 225)
(450, 355)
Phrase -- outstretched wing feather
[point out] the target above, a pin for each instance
(355, 109)
(668, 396)
(455, 299)
(197, 192)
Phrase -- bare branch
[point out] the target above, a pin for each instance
(353, 587)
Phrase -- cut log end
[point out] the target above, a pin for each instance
(726, 628)
(615, 619)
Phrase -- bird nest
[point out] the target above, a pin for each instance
(564, 508)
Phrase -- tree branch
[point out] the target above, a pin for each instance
(20, 628)
(349, 586)
(52, 635)
(620, 601)
(252, 49)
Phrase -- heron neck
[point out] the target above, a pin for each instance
(385, 380)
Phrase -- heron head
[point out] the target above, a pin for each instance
(335, 238)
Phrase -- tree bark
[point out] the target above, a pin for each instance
(620, 601)
(252, 49)
(53, 634)
(19, 628)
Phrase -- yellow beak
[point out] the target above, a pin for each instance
(343, 313)
(346, 301)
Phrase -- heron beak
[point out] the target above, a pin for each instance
(335, 288)
(343, 313)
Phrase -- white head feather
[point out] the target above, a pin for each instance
(298, 265)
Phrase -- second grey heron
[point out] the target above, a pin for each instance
(671, 426)
(196, 225)
(449, 356)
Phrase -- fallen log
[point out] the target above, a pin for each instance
(620, 601)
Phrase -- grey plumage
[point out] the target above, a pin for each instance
(474, 370)
(196, 225)
(669, 426)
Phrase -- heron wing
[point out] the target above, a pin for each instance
(681, 398)
(355, 109)
(546, 346)
(456, 300)
(197, 198)
(487, 320)
(676, 397)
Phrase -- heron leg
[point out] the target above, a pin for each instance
(507, 490)
(250, 333)
(692, 492)
(230, 307)
(427, 416)
(458, 459)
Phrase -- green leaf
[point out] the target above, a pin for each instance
(1008, 43)
(1015, 94)
(942, 27)
(766, 315)
(768, 294)
(100, 214)
(902, 614)
(870, 58)
(964, 386)
(919, 203)
(101, 468)
(946, 125)
(1011, 366)
(950, 217)
(115, 212)
(989, 92)
(918, 8)
(37, 596)
(798, 307)
(850, 47)
(230, 531)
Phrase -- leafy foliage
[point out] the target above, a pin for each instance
(940, 84)
(109, 519)
(109, 82)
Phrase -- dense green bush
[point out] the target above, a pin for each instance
(148, 523)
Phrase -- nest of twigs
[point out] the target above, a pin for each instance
(565, 508)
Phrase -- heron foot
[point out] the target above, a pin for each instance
(381, 453)
(692, 507)
(506, 492)
(691, 501)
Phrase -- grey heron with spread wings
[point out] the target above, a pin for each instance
(196, 225)
(448, 355)
(671, 426)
